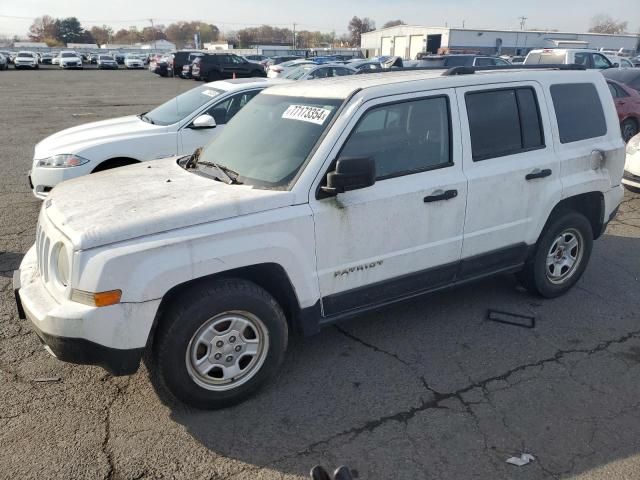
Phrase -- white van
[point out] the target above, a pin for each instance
(383, 187)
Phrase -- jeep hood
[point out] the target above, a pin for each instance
(76, 139)
(146, 199)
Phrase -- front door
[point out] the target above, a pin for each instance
(403, 235)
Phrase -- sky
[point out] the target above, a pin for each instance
(324, 15)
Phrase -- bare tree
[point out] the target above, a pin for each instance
(393, 23)
(603, 23)
(42, 28)
(358, 26)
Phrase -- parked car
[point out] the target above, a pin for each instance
(278, 59)
(119, 57)
(8, 55)
(618, 61)
(322, 59)
(180, 59)
(631, 178)
(46, 58)
(558, 56)
(365, 65)
(70, 60)
(217, 66)
(457, 60)
(4, 62)
(312, 72)
(186, 68)
(163, 66)
(627, 102)
(628, 76)
(274, 71)
(25, 59)
(176, 127)
(56, 59)
(133, 61)
(106, 62)
(382, 188)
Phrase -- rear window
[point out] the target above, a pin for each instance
(549, 58)
(503, 122)
(578, 111)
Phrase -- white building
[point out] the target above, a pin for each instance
(408, 40)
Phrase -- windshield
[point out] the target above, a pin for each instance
(297, 121)
(68, 54)
(25, 55)
(179, 107)
(299, 72)
(552, 58)
(105, 57)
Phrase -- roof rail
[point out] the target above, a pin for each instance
(462, 70)
(471, 70)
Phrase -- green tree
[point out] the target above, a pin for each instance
(69, 30)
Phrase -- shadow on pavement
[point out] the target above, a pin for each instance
(9, 261)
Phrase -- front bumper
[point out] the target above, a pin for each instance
(43, 179)
(112, 337)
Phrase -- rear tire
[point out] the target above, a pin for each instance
(218, 343)
(560, 257)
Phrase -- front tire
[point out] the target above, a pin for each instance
(219, 343)
(561, 256)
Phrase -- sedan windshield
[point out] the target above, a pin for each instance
(299, 72)
(183, 105)
(105, 57)
(25, 55)
(245, 146)
(68, 55)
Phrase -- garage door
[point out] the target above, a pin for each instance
(386, 46)
(400, 45)
(416, 46)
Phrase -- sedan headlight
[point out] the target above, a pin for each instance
(64, 160)
(633, 146)
(63, 266)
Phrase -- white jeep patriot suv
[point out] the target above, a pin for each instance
(384, 187)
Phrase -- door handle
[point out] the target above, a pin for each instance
(538, 174)
(440, 195)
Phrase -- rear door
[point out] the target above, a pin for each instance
(513, 173)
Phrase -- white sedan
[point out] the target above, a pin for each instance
(177, 127)
(133, 61)
(631, 177)
(70, 59)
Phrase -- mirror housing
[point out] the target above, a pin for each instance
(202, 122)
(351, 173)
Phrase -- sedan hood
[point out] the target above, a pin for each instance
(74, 140)
(149, 198)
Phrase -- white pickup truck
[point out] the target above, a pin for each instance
(383, 187)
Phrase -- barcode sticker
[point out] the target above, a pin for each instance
(305, 113)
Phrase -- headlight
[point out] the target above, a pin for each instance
(62, 265)
(633, 146)
(62, 161)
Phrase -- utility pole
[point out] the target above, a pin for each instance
(153, 32)
(463, 23)
(522, 19)
(294, 36)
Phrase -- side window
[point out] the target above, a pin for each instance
(501, 62)
(342, 71)
(613, 90)
(224, 111)
(582, 58)
(485, 62)
(404, 137)
(503, 122)
(600, 62)
(578, 111)
(625, 63)
(235, 59)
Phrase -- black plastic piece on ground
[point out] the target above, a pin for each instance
(508, 318)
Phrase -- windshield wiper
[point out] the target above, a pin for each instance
(231, 177)
(145, 118)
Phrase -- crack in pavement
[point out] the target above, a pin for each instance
(440, 397)
(107, 434)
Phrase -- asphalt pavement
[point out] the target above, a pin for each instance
(428, 389)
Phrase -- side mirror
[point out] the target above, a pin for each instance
(202, 122)
(616, 65)
(351, 173)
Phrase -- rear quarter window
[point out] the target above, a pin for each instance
(578, 111)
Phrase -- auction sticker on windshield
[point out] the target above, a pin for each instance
(306, 113)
